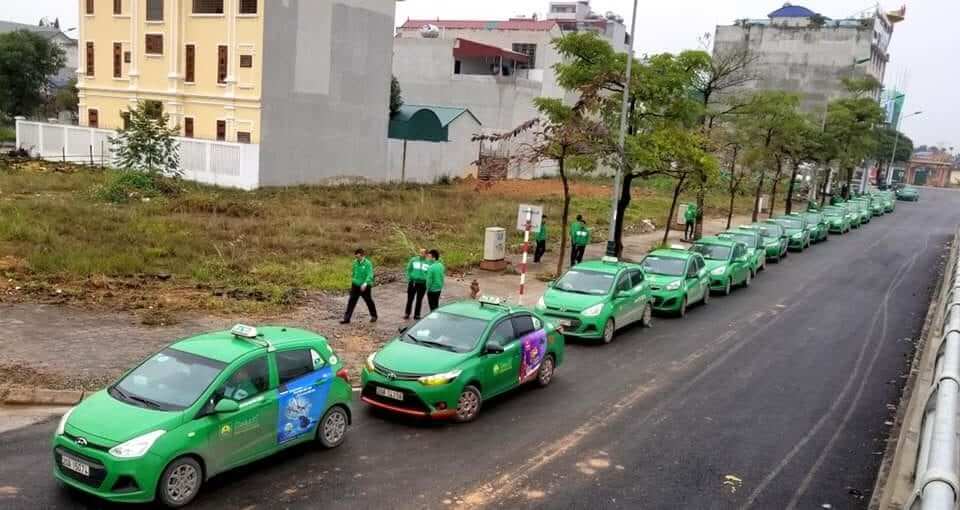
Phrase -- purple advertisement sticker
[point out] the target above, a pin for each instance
(533, 348)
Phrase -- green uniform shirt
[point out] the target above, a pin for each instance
(580, 234)
(542, 233)
(417, 269)
(435, 277)
(691, 213)
(362, 272)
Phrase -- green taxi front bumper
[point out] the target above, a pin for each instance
(774, 250)
(667, 300)
(576, 324)
(797, 243)
(403, 394)
(109, 478)
(838, 226)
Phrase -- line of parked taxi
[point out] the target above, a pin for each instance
(214, 402)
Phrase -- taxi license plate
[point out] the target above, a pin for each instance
(75, 465)
(383, 392)
(566, 324)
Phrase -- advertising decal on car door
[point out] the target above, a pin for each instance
(302, 402)
(533, 348)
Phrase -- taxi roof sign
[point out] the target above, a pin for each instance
(492, 300)
(244, 331)
(678, 247)
(610, 260)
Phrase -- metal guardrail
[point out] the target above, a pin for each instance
(936, 482)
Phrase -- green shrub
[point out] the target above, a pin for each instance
(126, 186)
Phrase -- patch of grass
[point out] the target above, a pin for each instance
(267, 246)
(8, 134)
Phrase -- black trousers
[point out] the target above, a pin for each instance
(688, 230)
(433, 299)
(576, 254)
(539, 251)
(415, 292)
(355, 294)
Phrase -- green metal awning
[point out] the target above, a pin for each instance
(425, 123)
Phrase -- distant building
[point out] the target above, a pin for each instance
(805, 52)
(61, 39)
(930, 168)
(307, 80)
(577, 16)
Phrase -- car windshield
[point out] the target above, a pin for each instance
(171, 380)
(745, 238)
(712, 251)
(813, 218)
(790, 223)
(447, 331)
(579, 281)
(770, 230)
(667, 266)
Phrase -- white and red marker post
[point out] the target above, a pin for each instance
(526, 250)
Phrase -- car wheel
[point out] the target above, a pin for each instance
(683, 308)
(763, 263)
(545, 374)
(609, 329)
(748, 280)
(706, 296)
(332, 430)
(180, 482)
(646, 320)
(468, 405)
(726, 289)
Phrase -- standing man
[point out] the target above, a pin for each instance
(416, 283)
(435, 274)
(579, 239)
(361, 284)
(541, 239)
(690, 219)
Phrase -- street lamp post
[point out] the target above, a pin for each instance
(618, 179)
(896, 138)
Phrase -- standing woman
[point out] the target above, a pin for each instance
(435, 274)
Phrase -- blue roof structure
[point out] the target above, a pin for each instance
(792, 11)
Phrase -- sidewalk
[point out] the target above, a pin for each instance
(64, 347)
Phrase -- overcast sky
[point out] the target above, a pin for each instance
(923, 50)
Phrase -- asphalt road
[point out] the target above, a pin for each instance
(774, 397)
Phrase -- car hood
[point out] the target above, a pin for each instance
(571, 301)
(791, 231)
(713, 264)
(410, 358)
(104, 417)
(661, 280)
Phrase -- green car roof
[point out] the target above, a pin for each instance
(600, 266)
(719, 241)
(476, 310)
(225, 347)
(671, 253)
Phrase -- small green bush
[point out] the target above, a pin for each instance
(127, 186)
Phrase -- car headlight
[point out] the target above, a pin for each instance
(63, 421)
(370, 366)
(593, 311)
(719, 271)
(798, 236)
(541, 304)
(439, 379)
(136, 447)
(674, 285)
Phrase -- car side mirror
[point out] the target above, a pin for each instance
(225, 406)
(702, 273)
(551, 284)
(402, 329)
(493, 348)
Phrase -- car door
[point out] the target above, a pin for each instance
(692, 283)
(304, 378)
(532, 345)
(623, 308)
(741, 262)
(500, 371)
(235, 438)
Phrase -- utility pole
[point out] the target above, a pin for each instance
(618, 179)
(896, 138)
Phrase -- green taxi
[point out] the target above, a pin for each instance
(817, 225)
(755, 247)
(678, 278)
(853, 213)
(888, 199)
(460, 355)
(908, 194)
(774, 239)
(200, 407)
(798, 237)
(863, 207)
(727, 262)
(837, 218)
(596, 298)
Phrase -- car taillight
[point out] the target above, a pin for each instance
(344, 374)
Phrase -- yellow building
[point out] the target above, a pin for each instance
(198, 58)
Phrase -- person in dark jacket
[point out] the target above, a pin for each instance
(361, 285)
(541, 238)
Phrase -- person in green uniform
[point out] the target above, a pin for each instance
(690, 218)
(541, 238)
(416, 283)
(361, 285)
(244, 384)
(579, 239)
(435, 275)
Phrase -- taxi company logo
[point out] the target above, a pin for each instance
(82, 441)
(390, 375)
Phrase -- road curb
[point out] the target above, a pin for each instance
(23, 396)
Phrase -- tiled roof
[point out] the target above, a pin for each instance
(513, 24)
(10, 26)
(792, 11)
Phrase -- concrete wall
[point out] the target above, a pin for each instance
(424, 68)
(326, 87)
(428, 161)
(810, 61)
